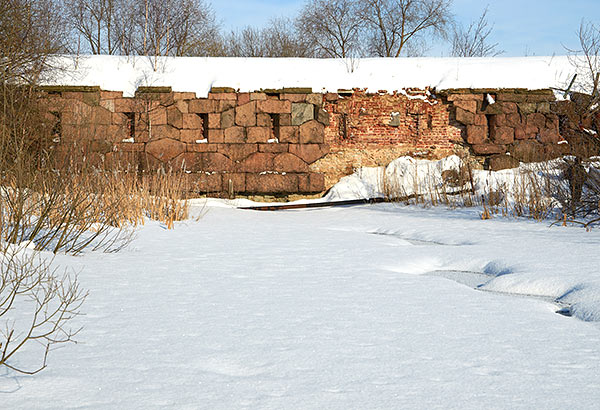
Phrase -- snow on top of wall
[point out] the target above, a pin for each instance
(199, 74)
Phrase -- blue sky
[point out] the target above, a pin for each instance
(535, 27)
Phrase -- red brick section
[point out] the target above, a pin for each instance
(286, 142)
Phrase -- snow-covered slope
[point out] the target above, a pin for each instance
(196, 74)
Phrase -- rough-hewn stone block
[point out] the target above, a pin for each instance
(234, 135)
(502, 135)
(158, 116)
(174, 117)
(289, 134)
(216, 162)
(258, 96)
(272, 183)
(257, 162)
(238, 152)
(537, 120)
(273, 148)
(302, 112)
(258, 134)
(467, 105)
(287, 162)
(188, 161)
(201, 106)
(193, 121)
(202, 183)
(274, 106)
(228, 118)
(165, 149)
(476, 134)
(311, 183)
(190, 136)
(237, 184)
(245, 115)
(315, 99)
(464, 117)
(164, 131)
(312, 132)
(500, 162)
(309, 153)
(216, 136)
(549, 135)
(485, 149)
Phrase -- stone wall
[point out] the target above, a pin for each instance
(294, 141)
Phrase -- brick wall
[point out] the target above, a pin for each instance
(292, 141)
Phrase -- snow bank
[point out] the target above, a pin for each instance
(199, 74)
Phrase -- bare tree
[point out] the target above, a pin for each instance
(94, 21)
(277, 39)
(393, 25)
(332, 28)
(473, 41)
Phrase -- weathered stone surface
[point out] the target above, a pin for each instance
(216, 162)
(202, 183)
(214, 121)
(302, 112)
(188, 161)
(481, 120)
(272, 183)
(527, 151)
(102, 146)
(294, 98)
(549, 135)
(527, 108)
(484, 149)
(513, 120)
(234, 135)
(174, 117)
(552, 121)
(195, 147)
(192, 121)
(476, 134)
(258, 96)
(216, 136)
(274, 106)
(257, 162)
(128, 105)
(230, 96)
(498, 120)
(315, 99)
(225, 105)
(464, 117)
(228, 118)
(158, 116)
(285, 119)
(190, 136)
(165, 149)
(311, 183)
(509, 107)
(467, 105)
(201, 106)
(287, 162)
(502, 135)
(309, 153)
(289, 134)
(273, 148)
(164, 131)
(243, 98)
(130, 147)
(237, 152)
(245, 115)
(500, 162)
(312, 132)
(183, 95)
(258, 134)
(323, 117)
(537, 120)
(263, 120)
(235, 182)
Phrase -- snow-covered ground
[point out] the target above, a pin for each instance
(199, 74)
(354, 307)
